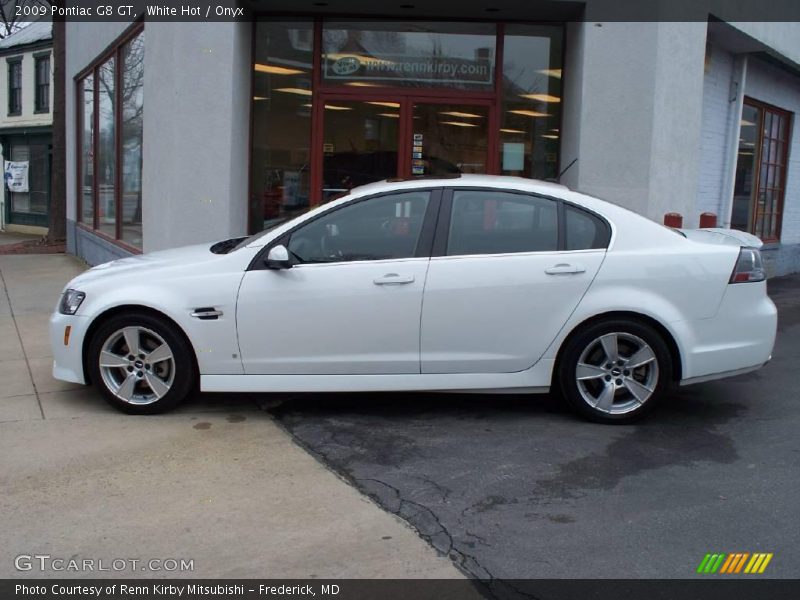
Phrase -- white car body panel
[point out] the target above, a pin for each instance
(332, 319)
(498, 313)
(327, 327)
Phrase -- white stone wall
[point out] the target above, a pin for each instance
(718, 110)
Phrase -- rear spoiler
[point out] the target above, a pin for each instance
(741, 237)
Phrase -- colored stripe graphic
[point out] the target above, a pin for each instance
(733, 563)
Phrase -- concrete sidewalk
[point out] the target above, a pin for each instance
(216, 482)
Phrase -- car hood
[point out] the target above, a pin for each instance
(719, 235)
(152, 263)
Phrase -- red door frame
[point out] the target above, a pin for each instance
(406, 96)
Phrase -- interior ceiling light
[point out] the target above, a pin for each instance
(390, 115)
(458, 123)
(513, 130)
(551, 72)
(336, 107)
(550, 137)
(294, 90)
(529, 113)
(541, 97)
(464, 115)
(389, 104)
(276, 70)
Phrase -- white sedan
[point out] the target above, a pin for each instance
(475, 283)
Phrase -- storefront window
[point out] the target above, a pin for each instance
(415, 54)
(281, 133)
(132, 111)
(397, 98)
(111, 142)
(106, 150)
(529, 133)
(87, 151)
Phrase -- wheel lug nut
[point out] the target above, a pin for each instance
(142, 356)
(139, 374)
(626, 372)
(619, 382)
(131, 357)
(130, 369)
(620, 362)
(608, 377)
(608, 366)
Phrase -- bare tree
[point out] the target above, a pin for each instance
(10, 21)
(57, 231)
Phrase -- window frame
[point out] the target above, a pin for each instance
(38, 59)
(424, 243)
(443, 226)
(763, 108)
(115, 51)
(15, 63)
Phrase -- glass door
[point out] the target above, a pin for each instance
(360, 142)
(449, 138)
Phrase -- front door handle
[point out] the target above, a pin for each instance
(393, 279)
(564, 269)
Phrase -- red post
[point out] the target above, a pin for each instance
(673, 220)
(708, 219)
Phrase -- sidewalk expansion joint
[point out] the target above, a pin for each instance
(21, 345)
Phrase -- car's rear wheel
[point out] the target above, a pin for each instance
(140, 363)
(615, 371)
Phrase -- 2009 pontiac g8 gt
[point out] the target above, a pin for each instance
(476, 283)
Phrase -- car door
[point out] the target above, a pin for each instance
(351, 301)
(507, 271)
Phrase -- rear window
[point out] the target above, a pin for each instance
(584, 231)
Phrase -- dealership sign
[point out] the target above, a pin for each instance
(420, 69)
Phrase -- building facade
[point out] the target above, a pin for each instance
(26, 100)
(192, 132)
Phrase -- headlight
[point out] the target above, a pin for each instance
(70, 302)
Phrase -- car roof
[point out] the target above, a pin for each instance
(522, 183)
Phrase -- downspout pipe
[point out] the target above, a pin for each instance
(736, 98)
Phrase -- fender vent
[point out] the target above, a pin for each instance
(207, 313)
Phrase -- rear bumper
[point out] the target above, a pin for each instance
(68, 358)
(738, 339)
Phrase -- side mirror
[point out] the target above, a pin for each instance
(278, 258)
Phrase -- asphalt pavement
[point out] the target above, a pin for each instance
(514, 487)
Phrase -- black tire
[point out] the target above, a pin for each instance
(182, 368)
(625, 387)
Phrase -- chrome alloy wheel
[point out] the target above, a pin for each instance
(617, 373)
(137, 365)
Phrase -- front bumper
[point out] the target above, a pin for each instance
(68, 357)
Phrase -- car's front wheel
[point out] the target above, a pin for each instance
(140, 363)
(615, 371)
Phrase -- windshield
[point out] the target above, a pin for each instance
(273, 223)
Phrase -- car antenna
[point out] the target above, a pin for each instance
(558, 179)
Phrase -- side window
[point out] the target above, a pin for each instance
(495, 222)
(379, 228)
(584, 230)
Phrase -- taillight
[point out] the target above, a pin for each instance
(749, 267)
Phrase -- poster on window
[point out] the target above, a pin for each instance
(16, 175)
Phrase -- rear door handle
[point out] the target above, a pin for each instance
(564, 269)
(393, 279)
